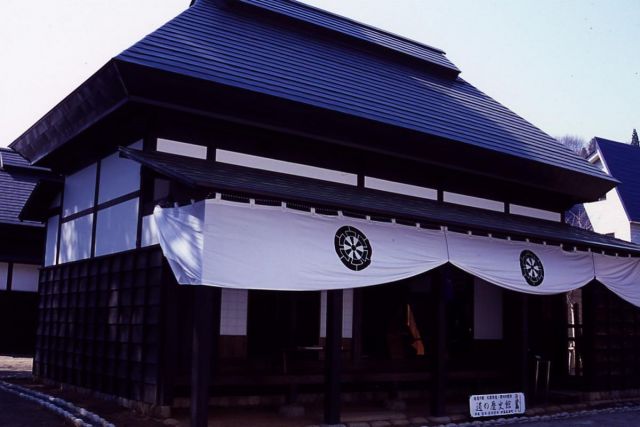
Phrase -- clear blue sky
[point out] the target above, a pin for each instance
(568, 66)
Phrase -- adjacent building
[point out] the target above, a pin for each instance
(21, 251)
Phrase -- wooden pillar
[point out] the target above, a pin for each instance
(206, 330)
(333, 357)
(523, 344)
(439, 378)
(356, 339)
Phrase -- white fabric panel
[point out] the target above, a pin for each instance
(233, 311)
(149, 231)
(620, 274)
(260, 247)
(4, 272)
(180, 233)
(75, 239)
(25, 278)
(51, 247)
(498, 261)
(79, 190)
(244, 246)
(118, 176)
(487, 311)
(117, 228)
(274, 248)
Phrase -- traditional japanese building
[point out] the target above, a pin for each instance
(21, 252)
(284, 160)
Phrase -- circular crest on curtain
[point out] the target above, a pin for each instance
(531, 267)
(353, 248)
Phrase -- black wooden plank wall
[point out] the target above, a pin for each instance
(612, 329)
(100, 324)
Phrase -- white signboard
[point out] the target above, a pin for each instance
(491, 405)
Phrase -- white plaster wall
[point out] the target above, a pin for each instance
(181, 148)
(487, 311)
(118, 176)
(79, 190)
(608, 216)
(117, 228)
(25, 278)
(274, 165)
(233, 311)
(347, 313)
(535, 213)
(75, 239)
(476, 202)
(400, 188)
(51, 245)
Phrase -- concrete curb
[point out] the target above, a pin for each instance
(77, 416)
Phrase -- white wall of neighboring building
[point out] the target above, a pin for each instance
(608, 216)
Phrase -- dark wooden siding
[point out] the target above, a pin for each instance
(100, 324)
(612, 334)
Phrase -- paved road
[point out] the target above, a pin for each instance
(19, 412)
(614, 419)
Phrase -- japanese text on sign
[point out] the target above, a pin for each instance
(491, 405)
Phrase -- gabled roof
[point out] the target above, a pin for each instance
(623, 163)
(221, 42)
(277, 54)
(249, 182)
(17, 181)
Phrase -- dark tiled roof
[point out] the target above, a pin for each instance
(357, 30)
(242, 180)
(623, 162)
(246, 48)
(17, 180)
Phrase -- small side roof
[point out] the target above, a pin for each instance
(239, 180)
(623, 162)
(17, 180)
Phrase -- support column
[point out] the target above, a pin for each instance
(439, 378)
(523, 344)
(206, 332)
(333, 358)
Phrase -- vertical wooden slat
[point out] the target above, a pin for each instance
(333, 357)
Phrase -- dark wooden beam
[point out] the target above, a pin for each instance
(333, 357)
(206, 316)
(439, 382)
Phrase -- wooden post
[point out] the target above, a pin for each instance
(523, 344)
(439, 378)
(356, 339)
(206, 329)
(333, 357)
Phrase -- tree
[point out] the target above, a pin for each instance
(634, 139)
(575, 144)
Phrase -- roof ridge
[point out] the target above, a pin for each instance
(365, 25)
(303, 13)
